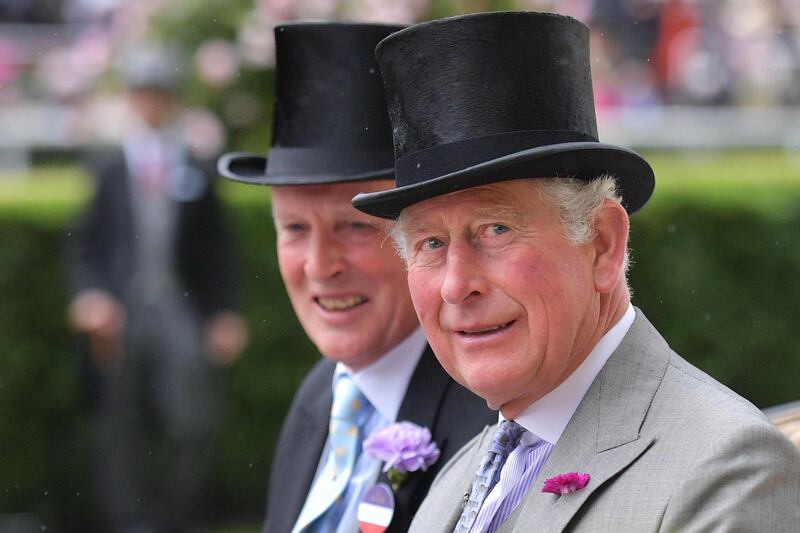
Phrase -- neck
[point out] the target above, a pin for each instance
(612, 309)
(609, 310)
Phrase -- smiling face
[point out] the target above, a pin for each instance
(344, 278)
(510, 307)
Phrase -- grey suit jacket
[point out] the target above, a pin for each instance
(667, 448)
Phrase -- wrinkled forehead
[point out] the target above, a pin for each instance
(331, 198)
(510, 200)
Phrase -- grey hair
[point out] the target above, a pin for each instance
(578, 202)
(395, 233)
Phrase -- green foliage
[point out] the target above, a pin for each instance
(51, 195)
(259, 388)
(191, 24)
(721, 286)
(762, 180)
(44, 417)
(244, 105)
(717, 258)
(43, 440)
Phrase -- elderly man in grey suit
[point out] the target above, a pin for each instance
(513, 221)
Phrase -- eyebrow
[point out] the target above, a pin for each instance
(499, 212)
(504, 211)
(406, 227)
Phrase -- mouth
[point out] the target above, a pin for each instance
(340, 304)
(485, 331)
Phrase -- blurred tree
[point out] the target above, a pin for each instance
(228, 44)
(231, 47)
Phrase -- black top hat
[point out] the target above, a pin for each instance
(330, 122)
(488, 97)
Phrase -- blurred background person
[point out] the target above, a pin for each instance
(154, 290)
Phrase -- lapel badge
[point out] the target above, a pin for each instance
(376, 509)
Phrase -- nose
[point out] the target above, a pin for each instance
(325, 258)
(463, 277)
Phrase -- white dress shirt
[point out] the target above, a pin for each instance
(548, 417)
(545, 421)
(384, 383)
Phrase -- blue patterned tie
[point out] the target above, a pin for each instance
(348, 413)
(505, 439)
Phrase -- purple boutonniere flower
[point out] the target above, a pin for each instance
(565, 483)
(403, 447)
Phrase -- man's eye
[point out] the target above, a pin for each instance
(355, 229)
(498, 229)
(433, 243)
(360, 226)
(294, 228)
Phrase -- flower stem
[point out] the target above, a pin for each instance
(396, 478)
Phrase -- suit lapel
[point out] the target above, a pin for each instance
(602, 438)
(120, 181)
(442, 507)
(307, 446)
(426, 390)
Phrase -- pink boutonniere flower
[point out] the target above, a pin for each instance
(565, 483)
(404, 447)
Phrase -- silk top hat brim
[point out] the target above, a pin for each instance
(306, 166)
(330, 122)
(583, 160)
(489, 97)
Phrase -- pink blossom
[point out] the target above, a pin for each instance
(276, 10)
(217, 63)
(317, 9)
(91, 52)
(565, 483)
(11, 61)
(396, 12)
(256, 42)
(203, 132)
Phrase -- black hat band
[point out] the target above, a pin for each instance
(315, 161)
(447, 158)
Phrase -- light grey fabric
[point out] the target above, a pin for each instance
(667, 448)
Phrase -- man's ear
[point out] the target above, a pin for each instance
(610, 242)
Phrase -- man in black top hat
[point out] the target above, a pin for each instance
(331, 139)
(513, 221)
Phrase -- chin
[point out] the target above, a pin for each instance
(494, 406)
(330, 348)
(335, 352)
(478, 387)
(343, 352)
(495, 394)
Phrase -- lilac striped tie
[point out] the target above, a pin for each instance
(504, 441)
(521, 468)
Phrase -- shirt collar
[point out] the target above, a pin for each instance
(385, 381)
(548, 417)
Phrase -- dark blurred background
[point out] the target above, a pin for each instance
(709, 90)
